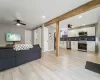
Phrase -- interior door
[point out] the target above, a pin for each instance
(35, 37)
(28, 37)
(39, 36)
(54, 41)
(45, 39)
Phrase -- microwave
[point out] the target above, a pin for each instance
(82, 33)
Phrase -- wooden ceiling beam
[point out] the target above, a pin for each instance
(86, 7)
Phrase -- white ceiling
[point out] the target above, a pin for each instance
(88, 17)
(31, 11)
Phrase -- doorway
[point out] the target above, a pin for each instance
(55, 41)
(28, 37)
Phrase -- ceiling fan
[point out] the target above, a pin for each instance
(69, 26)
(19, 22)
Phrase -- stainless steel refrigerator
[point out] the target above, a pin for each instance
(68, 44)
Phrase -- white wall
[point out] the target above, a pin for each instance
(44, 39)
(50, 38)
(41, 37)
(98, 34)
(37, 36)
(11, 28)
(28, 37)
(98, 29)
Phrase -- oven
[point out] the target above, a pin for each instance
(82, 46)
(82, 43)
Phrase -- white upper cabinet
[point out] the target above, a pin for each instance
(72, 33)
(91, 31)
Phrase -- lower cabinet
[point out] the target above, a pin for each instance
(90, 45)
(74, 45)
(63, 44)
(7, 63)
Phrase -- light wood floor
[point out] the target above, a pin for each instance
(70, 65)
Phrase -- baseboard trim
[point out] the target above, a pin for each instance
(48, 50)
(51, 50)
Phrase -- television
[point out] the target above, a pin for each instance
(13, 36)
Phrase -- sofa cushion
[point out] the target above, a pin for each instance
(7, 53)
(7, 63)
(33, 50)
(22, 59)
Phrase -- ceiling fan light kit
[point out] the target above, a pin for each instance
(19, 22)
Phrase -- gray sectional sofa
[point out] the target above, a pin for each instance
(10, 58)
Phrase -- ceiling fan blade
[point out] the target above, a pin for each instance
(22, 23)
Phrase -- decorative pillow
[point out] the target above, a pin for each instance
(18, 47)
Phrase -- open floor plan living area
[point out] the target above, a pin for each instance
(50, 40)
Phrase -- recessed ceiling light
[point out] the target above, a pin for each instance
(80, 16)
(43, 17)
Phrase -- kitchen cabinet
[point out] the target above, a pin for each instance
(74, 45)
(90, 46)
(63, 44)
(91, 31)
